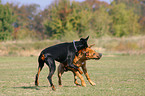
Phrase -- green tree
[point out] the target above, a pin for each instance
(7, 18)
(28, 18)
(56, 23)
(138, 7)
(100, 22)
(66, 18)
(125, 22)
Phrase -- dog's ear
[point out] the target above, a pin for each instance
(87, 38)
(82, 39)
(84, 42)
(91, 45)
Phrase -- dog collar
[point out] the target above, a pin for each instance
(75, 46)
(83, 63)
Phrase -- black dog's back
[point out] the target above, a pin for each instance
(57, 52)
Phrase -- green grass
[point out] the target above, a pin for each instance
(116, 75)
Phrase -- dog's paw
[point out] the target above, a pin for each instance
(84, 84)
(60, 85)
(92, 83)
(36, 83)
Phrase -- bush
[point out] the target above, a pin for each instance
(25, 34)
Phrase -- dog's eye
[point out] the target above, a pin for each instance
(93, 53)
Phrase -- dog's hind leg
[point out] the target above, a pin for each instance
(60, 72)
(51, 63)
(41, 64)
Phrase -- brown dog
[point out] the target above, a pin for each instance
(80, 61)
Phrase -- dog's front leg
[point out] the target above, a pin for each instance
(86, 74)
(76, 73)
(75, 78)
(81, 78)
(71, 56)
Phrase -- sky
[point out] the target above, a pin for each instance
(43, 3)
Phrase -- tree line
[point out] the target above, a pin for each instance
(67, 19)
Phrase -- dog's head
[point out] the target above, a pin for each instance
(88, 53)
(82, 43)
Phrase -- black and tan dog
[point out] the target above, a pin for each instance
(63, 53)
(80, 61)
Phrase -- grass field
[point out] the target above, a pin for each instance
(114, 75)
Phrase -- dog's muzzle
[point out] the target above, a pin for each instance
(98, 57)
(100, 54)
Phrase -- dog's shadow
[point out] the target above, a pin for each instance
(70, 86)
(30, 87)
(39, 87)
